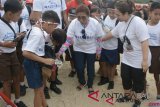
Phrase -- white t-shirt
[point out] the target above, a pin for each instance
(110, 44)
(35, 42)
(93, 30)
(6, 34)
(154, 32)
(55, 5)
(137, 32)
(25, 16)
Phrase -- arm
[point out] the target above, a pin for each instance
(65, 18)
(107, 37)
(66, 45)
(8, 44)
(145, 51)
(34, 57)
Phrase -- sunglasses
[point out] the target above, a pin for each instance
(83, 34)
(49, 23)
(82, 17)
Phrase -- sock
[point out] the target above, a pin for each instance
(17, 100)
(22, 83)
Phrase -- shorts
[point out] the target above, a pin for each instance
(33, 71)
(109, 56)
(155, 62)
(9, 66)
(132, 78)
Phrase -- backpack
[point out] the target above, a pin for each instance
(120, 43)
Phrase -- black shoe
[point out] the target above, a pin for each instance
(111, 85)
(46, 93)
(20, 104)
(1, 84)
(58, 82)
(137, 103)
(54, 88)
(23, 90)
(72, 74)
(123, 99)
(90, 90)
(103, 81)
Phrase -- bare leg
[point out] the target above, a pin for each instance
(7, 88)
(16, 85)
(39, 99)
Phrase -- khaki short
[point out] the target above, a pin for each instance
(9, 66)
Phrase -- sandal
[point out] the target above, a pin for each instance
(123, 99)
(79, 87)
(90, 90)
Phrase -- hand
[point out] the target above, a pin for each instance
(20, 36)
(9, 44)
(98, 56)
(58, 55)
(49, 61)
(145, 66)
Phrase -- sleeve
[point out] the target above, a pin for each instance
(23, 27)
(64, 7)
(37, 5)
(32, 42)
(141, 31)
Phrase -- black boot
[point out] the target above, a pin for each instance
(137, 103)
(58, 82)
(103, 81)
(111, 85)
(54, 88)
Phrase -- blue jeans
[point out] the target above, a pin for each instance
(80, 60)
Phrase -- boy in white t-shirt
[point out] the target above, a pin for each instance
(59, 6)
(9, 63)
(34, 51)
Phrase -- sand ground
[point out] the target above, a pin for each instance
(70, 97)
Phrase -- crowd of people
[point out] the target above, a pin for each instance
(35, 34)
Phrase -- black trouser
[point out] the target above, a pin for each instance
(80, 60)
(132, 78)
